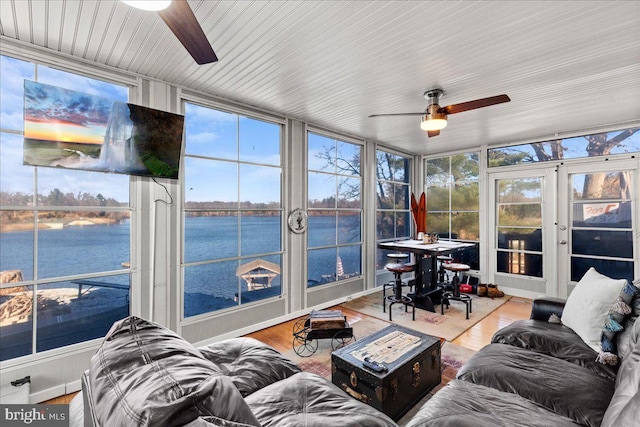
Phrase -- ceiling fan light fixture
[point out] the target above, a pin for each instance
(152, 5)
(428, 124)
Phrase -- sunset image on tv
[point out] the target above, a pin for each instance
(68, 129)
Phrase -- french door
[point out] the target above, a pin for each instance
(597, 223)
(548, 226)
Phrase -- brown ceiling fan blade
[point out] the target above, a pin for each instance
(183, 23)
(472, 105)
(398, 114)
(432, 133)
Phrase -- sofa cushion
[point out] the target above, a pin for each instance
(554, 340)
(145, 374)
(588, 305)
(464, 404)
(543, 379)
(249, 363)
(309, 400)
(624, 408)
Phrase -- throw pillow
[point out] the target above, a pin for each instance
(588, 305)
(613, 324)
(624, 338)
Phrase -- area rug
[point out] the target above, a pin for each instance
(448, 326)
(452, 358)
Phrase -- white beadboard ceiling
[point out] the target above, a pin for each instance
(567, 65)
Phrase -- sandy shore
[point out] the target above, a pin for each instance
(59, 304)
(44, 225)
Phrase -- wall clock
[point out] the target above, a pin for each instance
(298, 221)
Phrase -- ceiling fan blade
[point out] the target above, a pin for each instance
(399, 114)
(472, 105)
(432, 133)
(183, 23)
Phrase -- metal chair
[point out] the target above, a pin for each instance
(455, 284)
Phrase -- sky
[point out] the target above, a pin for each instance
(55, 114)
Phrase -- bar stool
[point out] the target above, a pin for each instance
(395, 258)
(442, 274)
(455, 283)
(398, 270)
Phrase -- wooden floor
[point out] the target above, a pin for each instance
(479, 335)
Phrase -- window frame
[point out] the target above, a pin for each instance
(337, 138)
(239, 112)
(35, 207)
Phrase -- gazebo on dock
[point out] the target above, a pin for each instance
(258, 273)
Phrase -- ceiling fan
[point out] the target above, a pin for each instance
(183, 23)
(434, 118)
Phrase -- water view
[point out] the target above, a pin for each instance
(96, 302)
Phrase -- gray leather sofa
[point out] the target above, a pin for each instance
(144, 374)
(537, 373)
(534, 373)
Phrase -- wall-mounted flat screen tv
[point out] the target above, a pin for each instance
(68, 129)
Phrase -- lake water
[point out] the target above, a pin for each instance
(81, 250)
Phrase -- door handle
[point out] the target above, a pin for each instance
(563, 242)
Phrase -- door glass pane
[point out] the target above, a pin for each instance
(528, 239)
(610, 268)
(520, 263)
(522, 215)
(612, 214)
(519, 226)
(519, 190)
(604, 243)
(604, 185)
(602, 223)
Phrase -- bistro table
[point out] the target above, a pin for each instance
(425, 293)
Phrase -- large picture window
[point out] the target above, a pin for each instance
(335, 210)
(453, 202)
(232, 210)
(64, 234)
